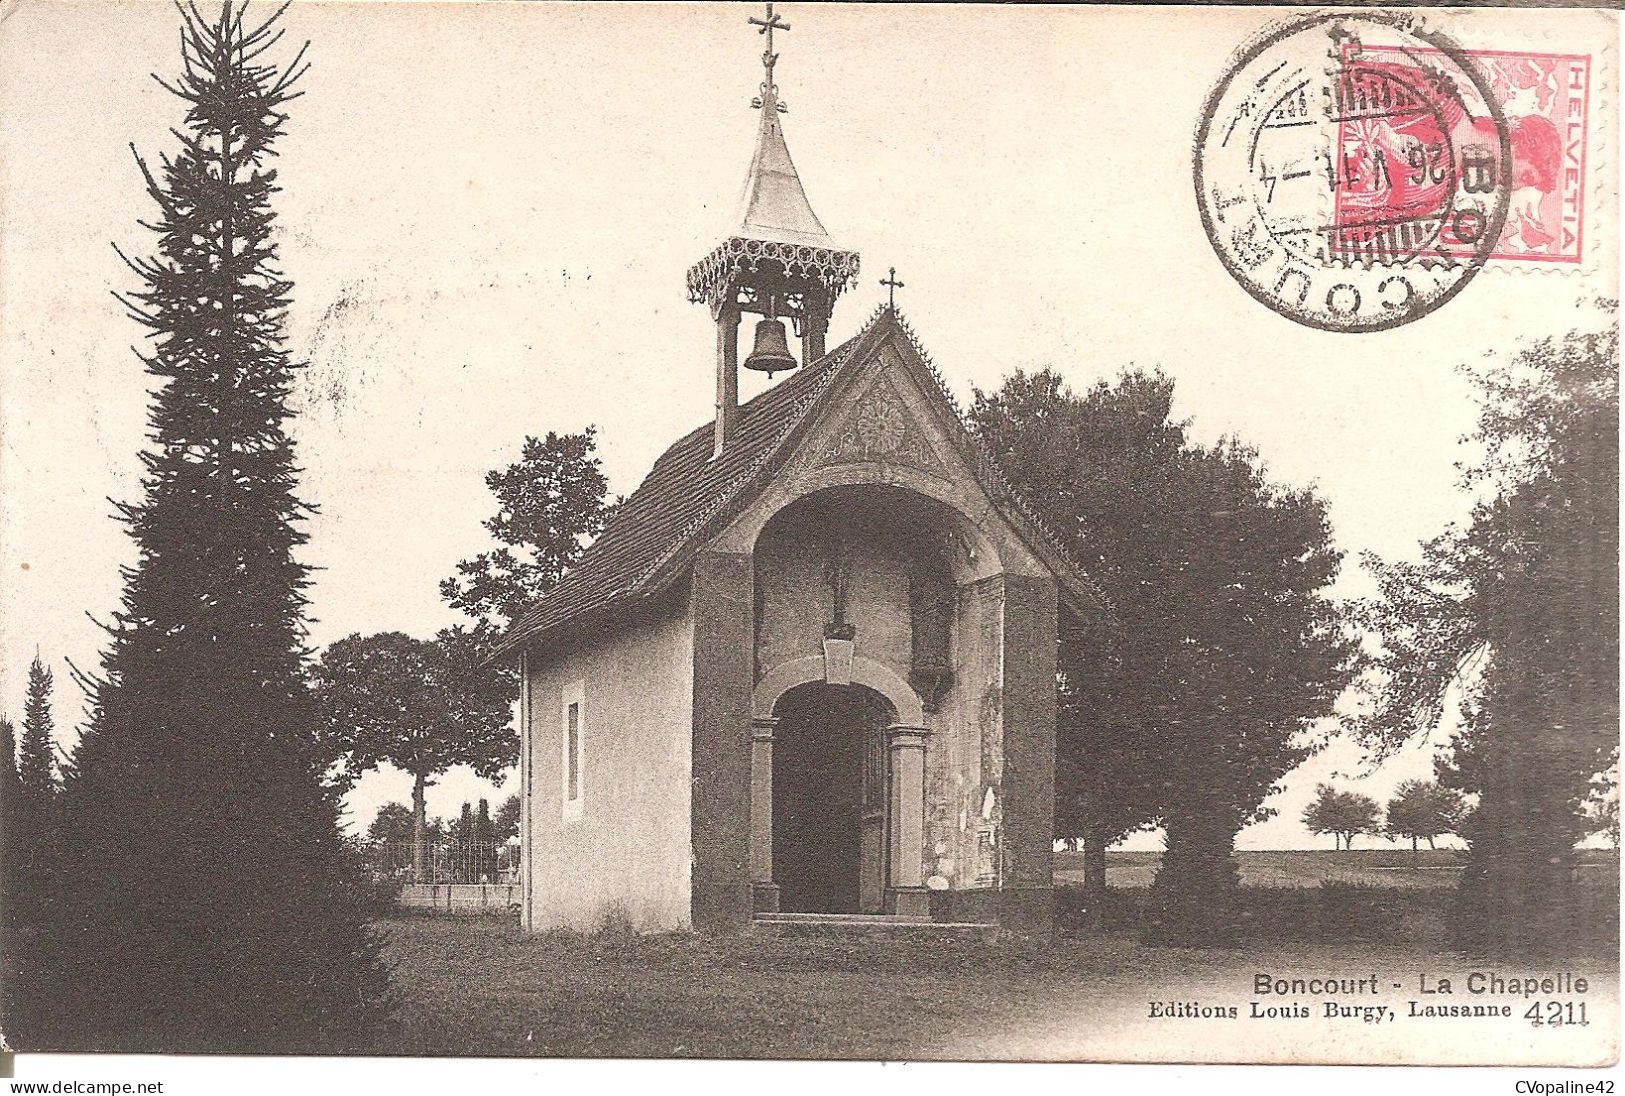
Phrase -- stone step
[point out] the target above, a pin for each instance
(868, 925)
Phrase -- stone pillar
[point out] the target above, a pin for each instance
(720, 787)
(764, 892)
(727, 408)
(905, 850)
(1028, 725)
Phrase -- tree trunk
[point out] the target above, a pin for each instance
(1094, 878)
(1194, 898)
(420, 826)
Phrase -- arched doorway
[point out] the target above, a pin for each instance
(829, 798)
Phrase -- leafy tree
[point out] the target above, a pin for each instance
(212, 902)
(422, 706)
(549, 506)
(1345, 815)
(389, 845)
(1608, 819)
(1099, 459)
(1226, 648)
(1321, 815)
(1514, 621)
(36, 758)
(395, 824)
(1423, 810)
(505, 827)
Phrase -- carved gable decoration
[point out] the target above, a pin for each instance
(882, 427)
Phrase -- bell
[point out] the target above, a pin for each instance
(772, 352)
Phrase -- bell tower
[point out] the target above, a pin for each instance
(778, 264)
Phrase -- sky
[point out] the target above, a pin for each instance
(487, 211)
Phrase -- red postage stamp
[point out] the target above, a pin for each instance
(1546, 101)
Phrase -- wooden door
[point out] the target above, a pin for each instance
(872, 835)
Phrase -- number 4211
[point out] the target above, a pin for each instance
(1557, 1013)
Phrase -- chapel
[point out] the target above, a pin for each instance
(808, 670)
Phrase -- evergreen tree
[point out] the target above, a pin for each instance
(36, 758)
(10, 877)
(213, 904)
(462, 830)
(485, 844)
(31, 844)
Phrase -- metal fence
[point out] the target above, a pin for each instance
(445, 861)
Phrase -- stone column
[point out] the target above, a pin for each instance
(764, 892)
(1028, 725)
(719, 801)
(905, 850)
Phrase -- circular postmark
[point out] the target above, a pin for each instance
(1351, 170)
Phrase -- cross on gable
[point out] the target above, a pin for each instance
(892, 286)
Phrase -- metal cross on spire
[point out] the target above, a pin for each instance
(892, 286)
(769, 58)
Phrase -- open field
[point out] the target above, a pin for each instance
(482, 987)
(1428, 868)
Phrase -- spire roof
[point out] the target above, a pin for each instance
(776, 222)
(774, 205)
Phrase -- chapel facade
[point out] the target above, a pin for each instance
(808, 669)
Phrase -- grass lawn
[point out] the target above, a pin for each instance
(477, 986)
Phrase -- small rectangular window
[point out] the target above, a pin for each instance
(573, 750)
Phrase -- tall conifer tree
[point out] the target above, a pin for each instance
(31, 855)
(36, 755)
(213, 904)
(10, 877)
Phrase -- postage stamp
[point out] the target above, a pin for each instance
(1351, 170)
(1546, 99)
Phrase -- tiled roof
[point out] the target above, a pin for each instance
(684, 489)
(687, 489)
